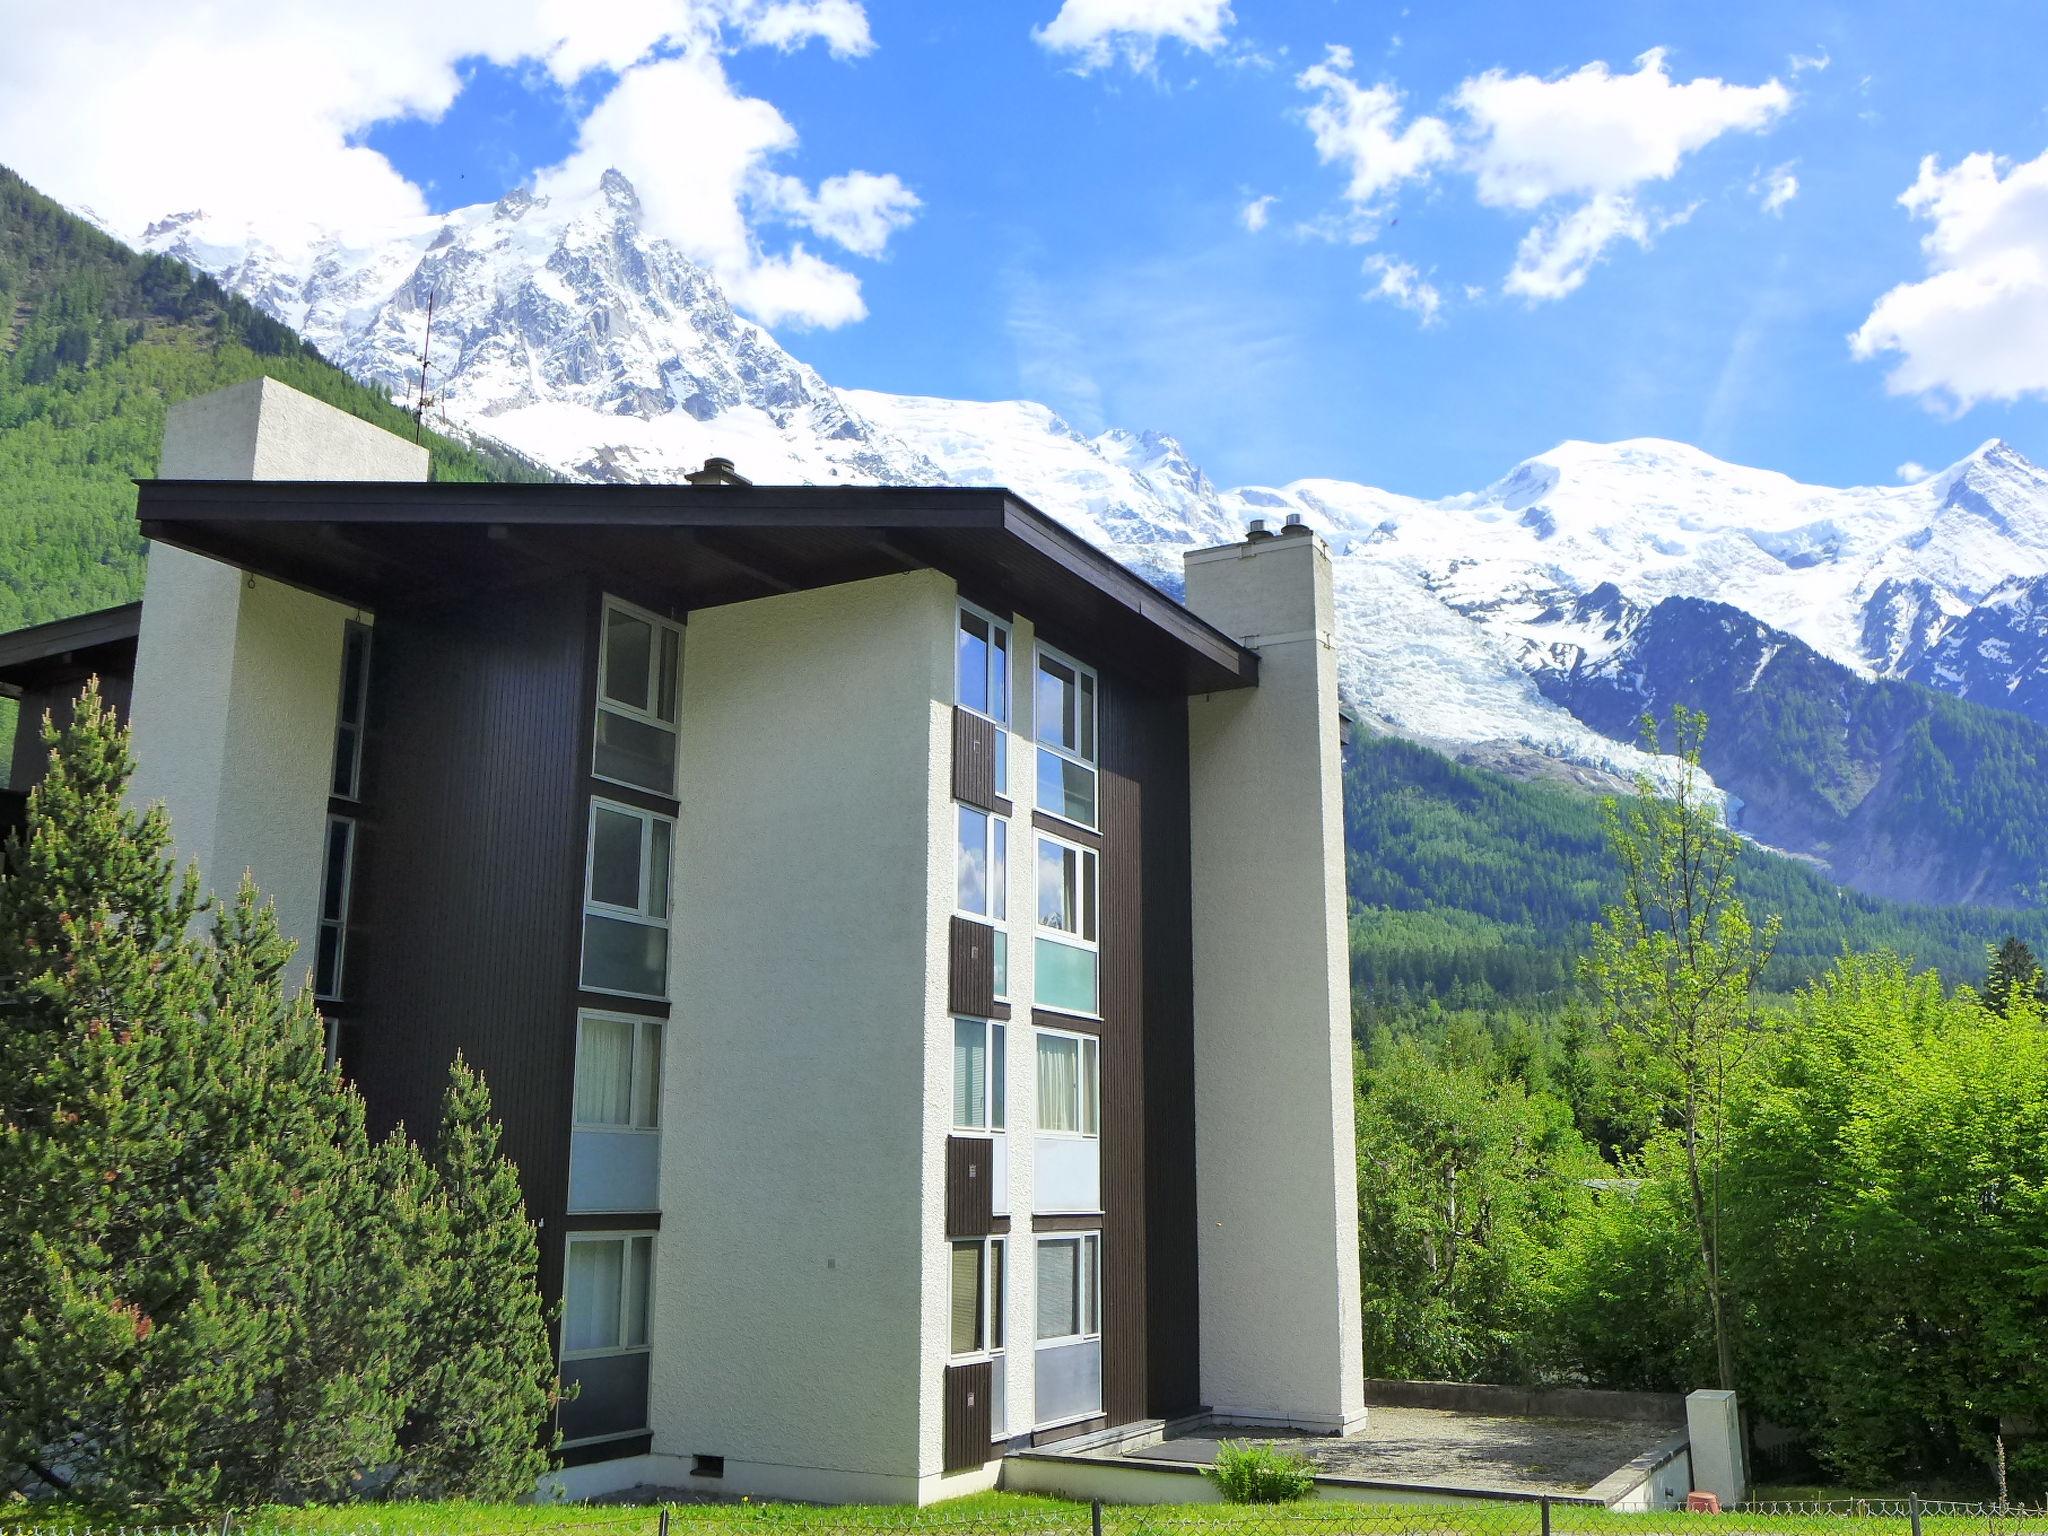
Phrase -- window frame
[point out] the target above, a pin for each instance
(1041, 652)
(627, 1236)
(592, 907)
(994, 825)
(1090, 1308)
(643, 715)
(1089, 861)
(353, 631)
(1004, 721)
(993, 1339)
(995, 1072)
(641, 1023)
(339, 924)
(1088, 1069)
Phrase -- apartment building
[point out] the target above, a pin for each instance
(905, 948)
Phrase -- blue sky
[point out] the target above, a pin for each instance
(1057, 194)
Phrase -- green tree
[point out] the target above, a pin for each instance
(2013, 973)
(1674, 964)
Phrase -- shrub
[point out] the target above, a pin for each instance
(1258, 1474)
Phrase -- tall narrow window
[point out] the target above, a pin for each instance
(977, 1285)
(982, 678)
(1066, 954)
(337, 875)
(978, 1072)
(1063, 712)
(608, 1285)
(983, 880)
(639, 674)
(349, 715)
(625, 904)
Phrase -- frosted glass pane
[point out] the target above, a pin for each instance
(1066, 977)
(1002, 963)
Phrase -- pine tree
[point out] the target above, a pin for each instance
(2013, 972)
(484, 1377)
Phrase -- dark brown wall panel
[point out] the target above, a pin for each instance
(970, 1186)
(1149, 1362)
(974, 759)
(968, 1420)
(971, 968)
(465, 933)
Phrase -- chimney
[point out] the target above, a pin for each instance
(1277, 1200)
(1256, 530)
(717, 472)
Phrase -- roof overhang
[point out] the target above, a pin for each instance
(69, 650)
(402, 544)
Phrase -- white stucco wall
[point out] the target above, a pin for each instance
(236, 676)
(1276, 1177)
(800, 1253)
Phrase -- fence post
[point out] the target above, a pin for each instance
(1095, 1517)
(1913, 1509)
(664, 1521)
(1545, 1503)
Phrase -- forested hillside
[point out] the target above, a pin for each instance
(1472, 888)
(95, 342)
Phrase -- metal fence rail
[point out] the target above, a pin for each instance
(1510, 1516)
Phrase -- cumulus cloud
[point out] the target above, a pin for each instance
(1577, 148)
(1774, 188)
(1912, 472)
(1359, 129)
(281, 147)
(1976, 326)
(1400, 284)
(1095, 33)
(1255, 213)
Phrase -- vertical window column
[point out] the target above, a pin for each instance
(338, 855)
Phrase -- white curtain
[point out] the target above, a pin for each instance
(1059, 1083)
(604, 1072)
(590, 1310)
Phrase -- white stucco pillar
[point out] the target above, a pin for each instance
(1276, 1172)
(237, 676)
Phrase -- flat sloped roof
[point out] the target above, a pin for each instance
(375, 544)
(65, 650)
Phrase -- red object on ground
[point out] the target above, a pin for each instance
(1703, 1503)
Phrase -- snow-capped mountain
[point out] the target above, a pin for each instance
(561, 328)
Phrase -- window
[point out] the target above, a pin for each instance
(1069, 1287)
(978, 1075)
(608, 1285)
(638, 672)
(978, 1286)
(982, 678)
(618, 1072)
(349, 716)
(1069, 1084)
(625, 901)
(1066, 953)
(984, 878)
(1064, 713)
(337, 874)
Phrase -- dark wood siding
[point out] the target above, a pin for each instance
(970, 1186)
(968, 1421)
(465, 929)
(1150, 1350)
(974, 760)
(971, 968)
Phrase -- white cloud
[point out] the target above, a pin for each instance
(1358, 127)
(1555, 257)
(254, 110)
(1800, 63)
(1096, 32)
(1593, 133)
(1912, 472)
(1976, 327)
(1400, 284)
(1255, 213)
(1774, 188)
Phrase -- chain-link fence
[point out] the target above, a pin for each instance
(1505, 1516)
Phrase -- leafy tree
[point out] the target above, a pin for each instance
(1675, 964)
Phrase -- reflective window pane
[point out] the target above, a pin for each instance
(1066, 788)
(660, 835)
(970, 681)
(622, 956)
(634, 752)
(671, 676)
(628, 658)
(615, 872)
(973, 874)
(647, 1084)
(639, 1282)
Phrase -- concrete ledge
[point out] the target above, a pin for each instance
(1635, 1486)
(1528, 1402)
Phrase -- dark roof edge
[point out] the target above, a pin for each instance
(80, 632)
